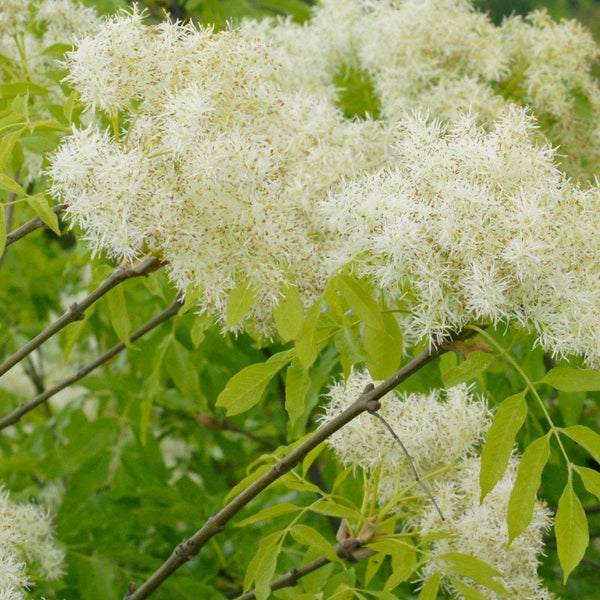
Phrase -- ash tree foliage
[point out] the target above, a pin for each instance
(300, 306)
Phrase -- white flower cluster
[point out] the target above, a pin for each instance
(219, 168)
(446, 58)
(473, 225)
(442, 433)
(231, 161)
(26, 543)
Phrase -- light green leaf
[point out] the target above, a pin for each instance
(373, 565)
(473, 366)
(348, 346)
(3, 232)
(312, 456)
(477, 570)
(247, 481)
(306, 342)
(69, 105)
(522, 498)
(500, 441)
(297, 384)
(571, 530)
(7, 143)
(40, 204)
(270, 513)
(241, 300)
(468, 592)
(404, 563)
(183, 372)
(289, 314)
(591, 480)
(331, 509)
(9, 184)
(262, 566)
(358, 296)
(430, 589)
(383, 347)
(585, 437)
(308, 536)
(245, 389)
(569, 379)
(119, 317)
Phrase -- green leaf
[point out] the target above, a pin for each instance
(404, 563)
(383, 347)
(358, 296)
(477, 570)
(3, 233)
(569, 379)
(306, 342)
(331, 509)
(571, 530)
(473, 366)
(9, 184)
(522, 498)
(262, 566)
(591, 480)
(500, 441)
(245, 389)
(308, 536)
(289, 314)
(40, 204)
(269, 513)
(430, 589)
(468, 592)
(348, 346)
(183, 372)
(241, 300)
(7, 144)
(297, 384)
(585, 437)
(119, 317)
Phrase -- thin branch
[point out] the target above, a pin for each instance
(409, 459)
(15, 415)
(216, 523)
(30, 226)
(291, 578)
(213, 423)
(77, 309)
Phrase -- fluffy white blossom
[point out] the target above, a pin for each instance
(442, 432)
(480, 530)
(472, 225)
(437, 430)
(26, 545)
(220, 168)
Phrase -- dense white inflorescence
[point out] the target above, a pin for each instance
(219, 169)
(442, 432)
(26, 545)
(229, 158)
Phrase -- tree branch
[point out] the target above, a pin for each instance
(77, 309)
(15, 415)
(216, 523)
(30, 226)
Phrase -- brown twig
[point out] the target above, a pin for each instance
(30, 226)
(77, 309)
(15, 415)
(217, 522)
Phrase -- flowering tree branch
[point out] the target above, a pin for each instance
(77, 309)
(15, 415)
(368, 401)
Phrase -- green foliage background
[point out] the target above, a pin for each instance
(138, 455)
